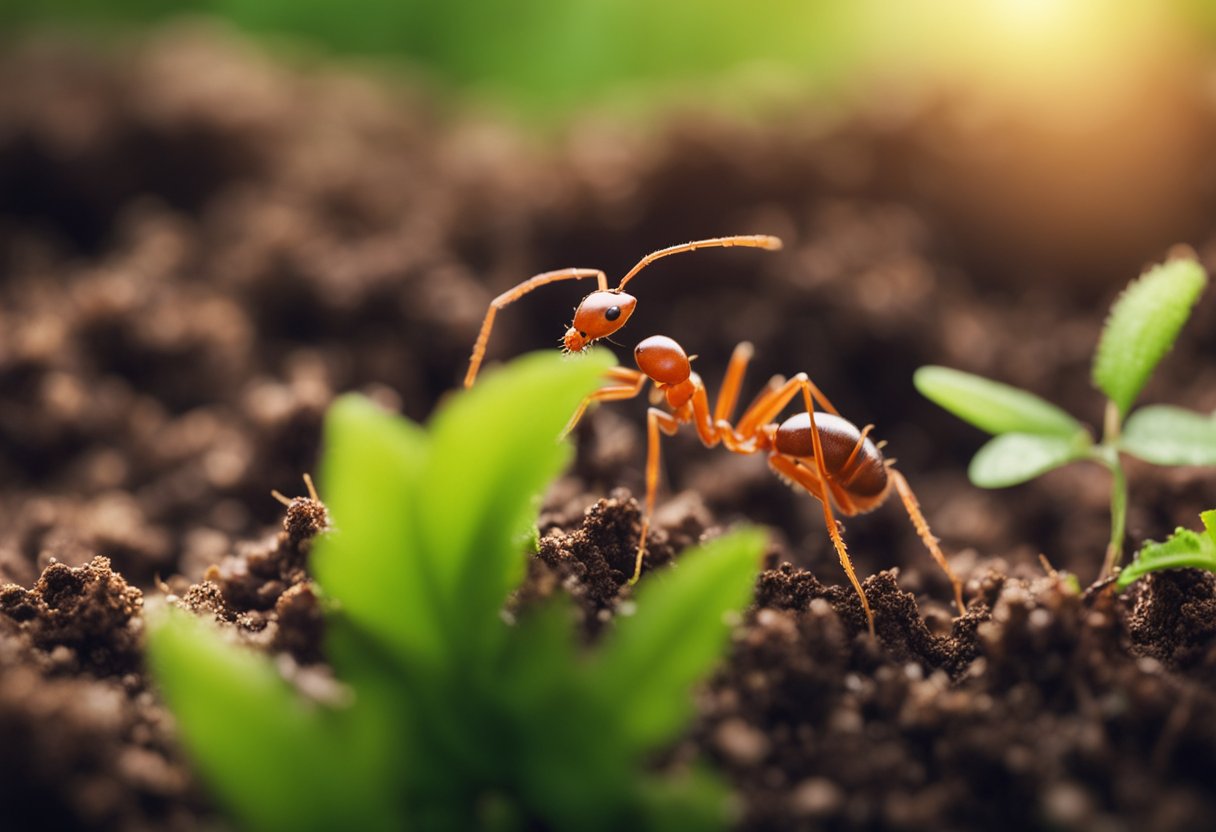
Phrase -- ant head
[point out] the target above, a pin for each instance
(599, 315)
(663, 360)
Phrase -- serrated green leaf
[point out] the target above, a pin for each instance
(992, 406)
(648, 665)
(370, 473)
(1165, 435)
(1013, 458)
(1143, 324)
(1184, 548)
(277, 761)
(493, 449)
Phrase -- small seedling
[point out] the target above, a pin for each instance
(1183, 548)
(605, 310)
(825, 454)
(1032, 436)
(446, 716)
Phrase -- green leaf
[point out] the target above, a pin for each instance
(1014, 458)
(992, 406)
(1165, 435)
(276, 760)
(370, 562)
(695, 800)
(647, 666)
(494, 448)
(1184, 548)
(1143, 325)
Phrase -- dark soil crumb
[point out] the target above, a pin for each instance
(84, 744)
(265, 590)
(1027, 717)
(591, 556)
(88, 610)
(598, 557)
(1173, 620)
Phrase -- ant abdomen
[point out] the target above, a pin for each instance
(859, 470)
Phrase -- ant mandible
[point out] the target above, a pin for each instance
(824, 453)
(605, 310)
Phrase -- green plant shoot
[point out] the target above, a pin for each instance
(1183, 548)
(1032, 436)
(447, 716)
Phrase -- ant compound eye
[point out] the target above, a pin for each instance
(612, 313)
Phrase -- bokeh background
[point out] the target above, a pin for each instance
(216, 215)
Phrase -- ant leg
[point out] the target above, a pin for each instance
(746, 240)
(483, 336)
(846, 476)
(808, 398)
(631, 384)
(767, 406)
(922, 528)
(656, 420)
(813, 483)
(732, 381)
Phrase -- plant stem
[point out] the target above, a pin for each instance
(1108, 454)
(1118, 515)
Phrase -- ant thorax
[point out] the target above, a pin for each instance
(679, 395)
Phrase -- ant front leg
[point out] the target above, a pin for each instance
(656, 420)
(629, 385)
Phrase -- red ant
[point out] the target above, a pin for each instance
(826, 454)
(605, 310)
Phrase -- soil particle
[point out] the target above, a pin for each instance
(1173, 619)
(89, 610)
(85, 744)
(1028, 716)
(594, 561)
(265, 590)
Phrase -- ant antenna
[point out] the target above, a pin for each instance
(764, 241)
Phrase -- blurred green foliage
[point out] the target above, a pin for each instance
(447, 716)
(542, 55)
(551, 58)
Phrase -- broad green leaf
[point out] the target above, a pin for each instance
(276, 760)
(649, 663)
(992, 406)
(1143, 325)
(1183, 548)
(494, 448)
(370, 562)
(696, 800)
(1167, 435)
(1014, 458)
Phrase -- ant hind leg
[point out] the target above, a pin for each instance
(812, 482)
(922, 528)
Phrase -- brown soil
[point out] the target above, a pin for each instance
(200, 249)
